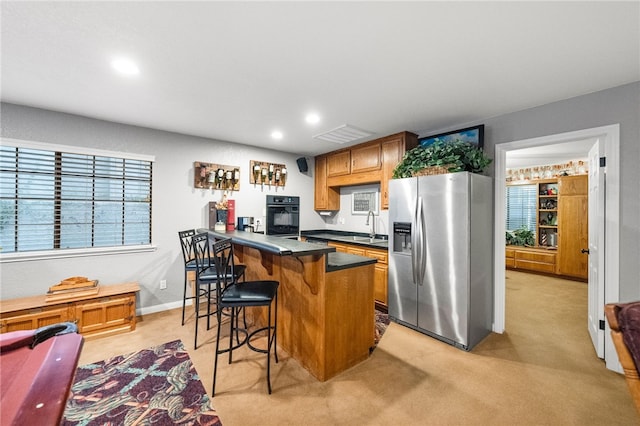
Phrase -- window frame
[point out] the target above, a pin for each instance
(85, 251)
(534, 205)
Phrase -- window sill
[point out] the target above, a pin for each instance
(61, 254)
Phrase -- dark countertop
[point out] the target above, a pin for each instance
(292, 247)
(277, 245)
(356, 238)
(337, 261)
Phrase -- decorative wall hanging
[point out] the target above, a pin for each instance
(216, 176)
(264, 173)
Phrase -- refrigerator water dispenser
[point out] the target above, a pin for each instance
(402, 237)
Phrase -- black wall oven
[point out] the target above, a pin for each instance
(283, 216)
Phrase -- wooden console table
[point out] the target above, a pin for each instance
(111, 311)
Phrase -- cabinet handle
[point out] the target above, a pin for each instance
(584, 251)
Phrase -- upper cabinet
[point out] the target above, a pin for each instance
(392, 149)
(369, 162)
(365, 158)
(338, 163)
(325, 198)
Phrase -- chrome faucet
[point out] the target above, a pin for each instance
(372, 231)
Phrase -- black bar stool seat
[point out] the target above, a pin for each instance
(233, 297)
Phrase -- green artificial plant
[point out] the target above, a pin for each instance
(520, 237)
(461, 156)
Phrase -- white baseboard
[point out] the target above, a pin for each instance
(159, 308)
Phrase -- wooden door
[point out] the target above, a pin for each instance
(573, 212)
(339, 163)
(365, 158)
(380, 275)
(325, 198)
(35, 318)
(104, 315)
(596, 299)
(391, 156)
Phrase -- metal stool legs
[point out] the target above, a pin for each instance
(272, 334)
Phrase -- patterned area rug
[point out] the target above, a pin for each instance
(158, 385)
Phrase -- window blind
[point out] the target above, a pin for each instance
(59, 200)
(521, 207)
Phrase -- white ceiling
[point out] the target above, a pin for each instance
(236, 71)
(559, 153)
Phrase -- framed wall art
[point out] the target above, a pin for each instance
(474, 135)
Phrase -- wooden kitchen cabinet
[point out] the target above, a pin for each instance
(369, 162)
(110, 311)
(380, 275)
(573, 226)
(381, 268)
(365, 158)
(393, 149)
(339, 163)
(392, 152)
(342, 248)
(325, 197)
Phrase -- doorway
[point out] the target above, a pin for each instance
(609, 141)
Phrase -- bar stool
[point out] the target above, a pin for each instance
(189, 263)
(237, 296)
(205, 272)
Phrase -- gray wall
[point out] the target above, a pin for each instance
(617, 105)
(177, 205)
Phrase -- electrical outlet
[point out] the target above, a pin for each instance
(163, 284)
(258, 222)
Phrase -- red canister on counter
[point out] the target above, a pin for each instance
(231, 215)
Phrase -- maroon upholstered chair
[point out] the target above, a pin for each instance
(624, 321)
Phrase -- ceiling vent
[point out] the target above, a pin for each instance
(343, 134)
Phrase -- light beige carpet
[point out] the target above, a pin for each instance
(542, 371)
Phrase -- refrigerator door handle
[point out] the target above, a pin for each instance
(419, 246)
(423, 244)
(414, 244)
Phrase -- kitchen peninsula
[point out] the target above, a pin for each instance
(325, 299)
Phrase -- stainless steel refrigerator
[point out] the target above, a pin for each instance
(441, 256)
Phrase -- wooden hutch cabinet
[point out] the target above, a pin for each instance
(562, 230)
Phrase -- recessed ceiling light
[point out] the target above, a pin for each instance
(312, 118)
(276, 134)
(125, 66)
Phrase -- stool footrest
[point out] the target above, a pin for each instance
(245, 339)
(254, 332)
